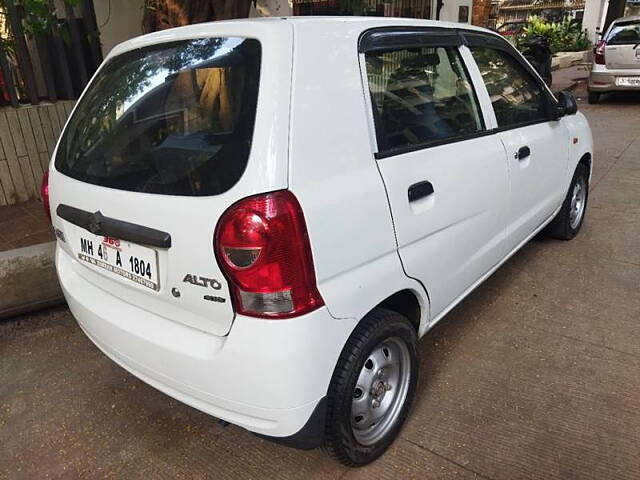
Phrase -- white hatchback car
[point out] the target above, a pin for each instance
(261, 217)
(616, 60)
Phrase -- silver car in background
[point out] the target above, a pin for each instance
(616, 60)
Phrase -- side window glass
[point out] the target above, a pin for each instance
(421, 95)
(516, 96)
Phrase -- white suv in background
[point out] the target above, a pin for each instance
(616, 60)
(261, 217)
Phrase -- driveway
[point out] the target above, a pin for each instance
(535, 375)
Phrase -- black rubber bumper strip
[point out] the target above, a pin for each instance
(308, 437)
(98, 224)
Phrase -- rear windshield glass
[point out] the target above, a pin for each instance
(624, 34)
(174, 119)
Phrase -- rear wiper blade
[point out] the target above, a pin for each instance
(636, 45)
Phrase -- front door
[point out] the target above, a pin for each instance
(535, 143)
(445, 174)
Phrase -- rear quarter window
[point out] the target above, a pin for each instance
(175, 119)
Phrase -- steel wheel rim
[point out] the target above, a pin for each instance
(578, 203)
(380, 391)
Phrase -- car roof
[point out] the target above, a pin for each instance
(371, 22)
(631, 18)
(244, 27)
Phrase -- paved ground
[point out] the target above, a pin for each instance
(570, 78)
(535, 375)
(24, 225)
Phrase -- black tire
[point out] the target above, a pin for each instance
(374, 330)
(593, 97)
(560, 227)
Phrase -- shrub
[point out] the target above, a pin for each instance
(564, 36)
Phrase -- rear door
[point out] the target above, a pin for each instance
(536, 144)
(445, 173)
(164, 140)
(622, 50)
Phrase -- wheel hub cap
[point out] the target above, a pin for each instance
(578, 203)
(380, 391)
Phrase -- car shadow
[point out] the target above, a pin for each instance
(446, 339)
(620, 98)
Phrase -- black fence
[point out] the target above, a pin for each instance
(379, 8)
(46, 54)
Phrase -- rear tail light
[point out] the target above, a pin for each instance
(44, 194)
(599, 52)
(263, 248)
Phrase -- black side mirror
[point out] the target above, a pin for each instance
(567, 104)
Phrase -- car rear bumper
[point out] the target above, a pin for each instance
(605, 81)
(265, 376)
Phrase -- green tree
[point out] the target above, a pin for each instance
(563, 36)
(40, 17)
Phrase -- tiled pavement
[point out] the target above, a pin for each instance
(24, 225)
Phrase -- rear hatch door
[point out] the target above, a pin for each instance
(172, 131)
(622, 49)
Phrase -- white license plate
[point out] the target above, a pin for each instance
(124, 259)
(628, 81)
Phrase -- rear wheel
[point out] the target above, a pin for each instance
(594, 97)
(372, 388)
(567, 223)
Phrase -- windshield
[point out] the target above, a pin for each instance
(624, 34)
(176, 119)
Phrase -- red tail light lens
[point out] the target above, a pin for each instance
(599, 52)
(44, 194)
(263, 248)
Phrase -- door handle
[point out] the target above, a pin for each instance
(523, 152)
(420, 190)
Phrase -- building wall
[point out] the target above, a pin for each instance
(480, 12)
(118, 20)
(271, 8)
(451, 8)
(593, 15)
